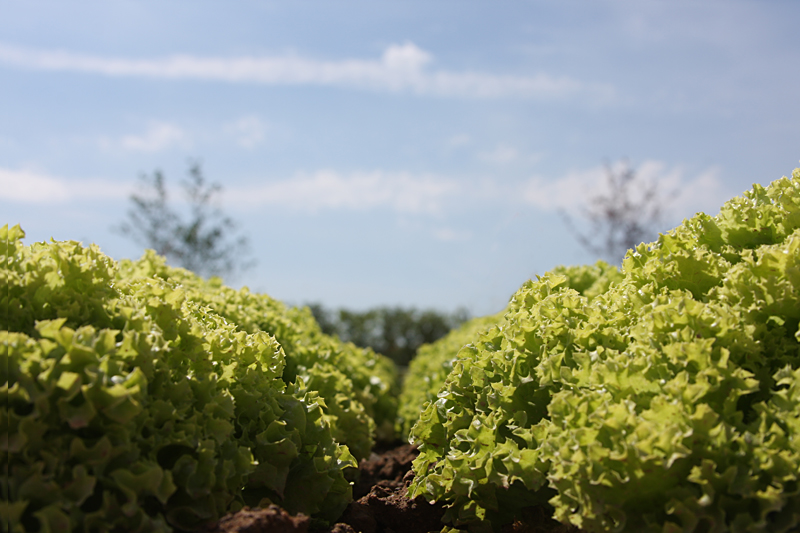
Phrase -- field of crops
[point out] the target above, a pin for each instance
(662, 397)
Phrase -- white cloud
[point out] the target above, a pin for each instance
(158, 136)
(457, 141)
(324, 190)
(451, 235)
(33, 187)
(502, 154)
(247, 131)
(568, 192)
(702, 192)
(705, 193)
(408, 57)
(399, 192)
(685, 195)
(402, 67)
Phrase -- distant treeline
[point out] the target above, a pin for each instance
(395, 332)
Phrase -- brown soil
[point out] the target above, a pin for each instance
(270, 519)
(386, 465)
(380, 506)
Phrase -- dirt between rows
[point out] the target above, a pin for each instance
(380, 506)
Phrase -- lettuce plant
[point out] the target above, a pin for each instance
(359, 387)
(432, 364)
(665, 401)
(129, 406)
(430, 367)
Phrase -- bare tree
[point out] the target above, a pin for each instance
(627, 212)
(204, 242)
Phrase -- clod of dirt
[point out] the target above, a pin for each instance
(387, 509)
(270, 519)
(388, 466)
(381, 504)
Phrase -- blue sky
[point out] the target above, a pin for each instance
(413, 153)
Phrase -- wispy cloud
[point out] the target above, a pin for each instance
(684, 195)
(321, 191)
(157, 137)
(247, 131)
(34, 187)
(704, 192)
(570, 191)
(501, 154)
(401, 68)
(399, 192)
(458, 141)
(451, 235)
(329, 190)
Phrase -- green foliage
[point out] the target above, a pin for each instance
(429, 369)
(667, 401)
(394, 332)
(433, 362)
(359, 387)
(128, 405)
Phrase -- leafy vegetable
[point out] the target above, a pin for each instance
(359, 387)
(667, 401)
(429, 369)
(127, 404)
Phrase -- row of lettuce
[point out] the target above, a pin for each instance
(140, 397)
(664, 396)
